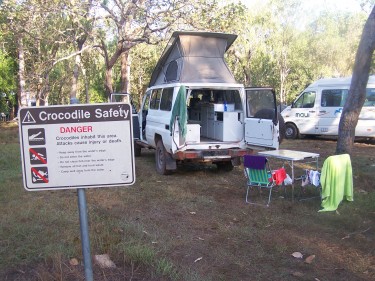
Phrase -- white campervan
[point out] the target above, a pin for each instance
(317, 110)
(194, 110)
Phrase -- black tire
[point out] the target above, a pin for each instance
(160, 159)
(291, 131)
(225, 166)
(137, 150)
(282, 127)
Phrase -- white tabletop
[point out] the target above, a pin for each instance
(291, 155)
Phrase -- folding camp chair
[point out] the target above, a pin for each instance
(258, 174)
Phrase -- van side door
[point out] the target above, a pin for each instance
(261, 124)
(143, 111)
(159, 116)
(331, 106)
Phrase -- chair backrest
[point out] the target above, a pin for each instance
(257, 162)
(256, 169)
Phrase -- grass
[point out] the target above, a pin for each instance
(193, 226)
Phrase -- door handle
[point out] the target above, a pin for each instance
(312, 111)
(322, 111)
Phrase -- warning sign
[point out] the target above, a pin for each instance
(77, 146)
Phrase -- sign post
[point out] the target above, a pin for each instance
(85, 239)
(77, 147)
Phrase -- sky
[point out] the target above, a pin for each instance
(321, 5)
(346, 5)
(311, 9)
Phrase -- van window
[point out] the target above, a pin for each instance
(166, 99)
(334, 97)
(146, 103)
(370, 97)
(261, 104)
(306, 100)
(155, 99)
(198, 96)
(227, 96)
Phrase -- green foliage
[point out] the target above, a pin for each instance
(7, 73)
(7, 83)
(275, 47)
(144, 58)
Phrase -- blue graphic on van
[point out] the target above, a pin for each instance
(338, 111)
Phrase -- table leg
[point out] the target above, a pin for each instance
(292, 181)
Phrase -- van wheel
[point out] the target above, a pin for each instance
(291, 131)
(225, 166)
(161, 159)
(137, 150)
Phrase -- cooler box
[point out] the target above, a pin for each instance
(193, 133)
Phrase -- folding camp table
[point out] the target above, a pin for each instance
(290, 157)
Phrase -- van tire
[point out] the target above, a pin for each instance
(291, 131)
(161, 159)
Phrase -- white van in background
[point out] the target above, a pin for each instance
(317, 110)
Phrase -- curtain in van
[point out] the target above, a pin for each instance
(179, 109)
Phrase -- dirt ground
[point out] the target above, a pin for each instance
(203, 215)
(198, 220)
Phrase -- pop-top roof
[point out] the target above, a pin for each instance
(194, 57)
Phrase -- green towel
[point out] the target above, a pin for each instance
(179, 109)
(337, 181)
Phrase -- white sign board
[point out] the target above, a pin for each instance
(77, 146)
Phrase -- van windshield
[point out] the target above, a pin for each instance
(306, 100)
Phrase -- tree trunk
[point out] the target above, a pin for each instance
(125, 72)
(73, 92)
(22, 101)
(44, 91)
(84, 73)
(108, 82)
(357, 92)
(109, 63)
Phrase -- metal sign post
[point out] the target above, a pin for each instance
(85, 239)
(77, 147)
(84, 226)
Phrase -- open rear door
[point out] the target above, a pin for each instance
(261, 124)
